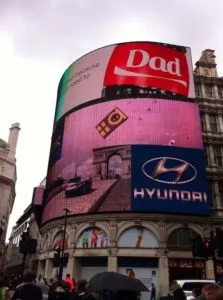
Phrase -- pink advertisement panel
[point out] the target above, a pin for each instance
(166, 69)
(91, 150)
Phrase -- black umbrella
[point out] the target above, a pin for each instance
(112, 281)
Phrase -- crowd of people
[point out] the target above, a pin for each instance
(211, 291)
(29, 288)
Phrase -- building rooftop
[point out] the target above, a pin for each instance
(3, 144)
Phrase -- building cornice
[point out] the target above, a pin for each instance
(120, 217)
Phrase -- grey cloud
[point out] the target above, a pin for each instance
(67, 29)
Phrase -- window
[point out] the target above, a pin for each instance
(220, 187)
(208, 91)
(218, 155)
(115, 166)
(210, 192)
(206, 154)
(213, 123)
(197, 90)
(180, 239)
(202, 118)
(220, 92)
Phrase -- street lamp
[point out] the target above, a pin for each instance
(67, 211)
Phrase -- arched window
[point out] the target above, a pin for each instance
(180, 239)
(115, 167)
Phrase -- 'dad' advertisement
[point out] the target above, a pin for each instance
(127, 69)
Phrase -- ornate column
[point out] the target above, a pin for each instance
(209, 266)
(48, 268)
(217, 202)
(163, 275)
(215, 92)
(163, 260)
(211, 156)
(220, 122)
(112, 258)
(203, 90)
(40, 268)
(76, 269)
(112, 262)
(207, 123)
(70, 266)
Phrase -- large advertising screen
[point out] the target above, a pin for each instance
(126, 70)
(91, 166)
(168, 179)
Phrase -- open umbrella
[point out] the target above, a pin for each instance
(112, 281)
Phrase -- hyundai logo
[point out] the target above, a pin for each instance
(169, 170)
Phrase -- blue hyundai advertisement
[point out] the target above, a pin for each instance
(169, 180)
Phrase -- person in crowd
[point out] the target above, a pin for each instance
(51, 281)
(219, 295)
(195, 293)
(60, 292)
(74, 289)
(126, 295)
(4, 288)
(28, 290)
(153, 292)
(70, 281)
(209, 292)
(81, 289)
(178, 293)
(45, 281)
(40, 280)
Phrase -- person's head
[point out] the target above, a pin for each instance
(210, 291)
(81, 286)
(29, 277)
(60, 287)
(175, 286)
(196, 292)
(152, 284)
(220, 293)
(68, 275)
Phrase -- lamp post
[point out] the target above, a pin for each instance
(67, 211)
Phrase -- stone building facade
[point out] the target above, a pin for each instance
(7, 183)
(13, 257)
(156, 247)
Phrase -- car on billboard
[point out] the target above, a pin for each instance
(133, 69)
(78, 187)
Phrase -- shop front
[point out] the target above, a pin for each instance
(186, 269)
(91, 266)
(144, 269)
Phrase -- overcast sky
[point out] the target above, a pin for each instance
(40, 38)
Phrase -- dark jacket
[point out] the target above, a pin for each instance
(179, 295)
(63, 296)
(28, 291)
(201, 297)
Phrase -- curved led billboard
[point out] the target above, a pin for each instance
(127, 135)
(124, 70)
(91, 151)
